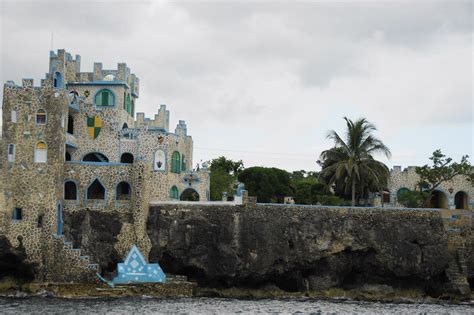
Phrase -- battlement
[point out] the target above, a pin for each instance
(162, 119)
(64, 69)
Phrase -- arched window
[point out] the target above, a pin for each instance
(41, 152)
(123, 191)
(67, 156)
(104, 97)
(95, 157)
(41, 117)
(176, 162)
(96, 191)
(125, 126)
(183, 163)
(58, 80)
(70, 125)
(174, 193)
(126, 158)
(11, 152)
(70, 190)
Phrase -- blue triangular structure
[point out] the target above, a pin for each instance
(135, 269)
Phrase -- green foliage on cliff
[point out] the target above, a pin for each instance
(350, 165)
(224, 176)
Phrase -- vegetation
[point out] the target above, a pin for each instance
(269, 184)
(224, 174)
(350, 166)
(442, 170)
(413, 199)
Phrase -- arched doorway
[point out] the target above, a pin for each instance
(189, 194)
(439, 200)
(126, 158)
(461, 200)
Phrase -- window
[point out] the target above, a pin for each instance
(125, 126)
(176, 162)
(58, 80)
(17, 214)
(183, 163)
(62, 120)
(126, 158)
(70, 125)
(13, 116)
(67, 156)
(41, 152)
(95, 157)
(11, 153)
(96, 191)
(123, 191)
(174, 193)
(41, 117)
(70, 190)
(104, 98)
(128, 104)
(39, 223)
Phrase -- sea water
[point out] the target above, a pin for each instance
(144, 305)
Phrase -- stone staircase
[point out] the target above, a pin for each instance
(457, 226)
(68, 264)
(457, 270)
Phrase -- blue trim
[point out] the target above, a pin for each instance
(87, 192)
(99, 83)
(75, 107)
(72, 145)
(98, 163)
(71, 201)
(59, 227)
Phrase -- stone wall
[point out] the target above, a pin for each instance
(408, 178)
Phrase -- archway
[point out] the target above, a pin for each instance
(439, 200)
(96, 191)
(461, 200)
(95, 157)
(189, 194)
(126, 158)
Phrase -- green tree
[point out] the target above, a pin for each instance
(442, 170)
(351, 161)
(267, 184)
(413, 199)
(223, 176)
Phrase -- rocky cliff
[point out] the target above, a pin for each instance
(293, 247)
(298, 248)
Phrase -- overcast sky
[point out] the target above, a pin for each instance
(264, 81)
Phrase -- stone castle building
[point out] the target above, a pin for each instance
(73, 144)
(454, 194)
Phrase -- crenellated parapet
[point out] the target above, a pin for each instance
(64, 69)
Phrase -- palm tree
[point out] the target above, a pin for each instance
(351, 162)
